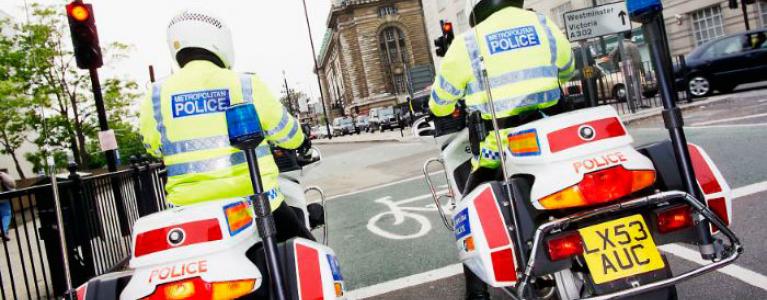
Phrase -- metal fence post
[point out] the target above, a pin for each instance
(78, 231)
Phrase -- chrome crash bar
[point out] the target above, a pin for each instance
(732, 252)
(436, 195)
(324, 212)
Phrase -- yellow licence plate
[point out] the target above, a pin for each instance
(619, 248)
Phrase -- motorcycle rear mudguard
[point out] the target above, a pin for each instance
(108, 286)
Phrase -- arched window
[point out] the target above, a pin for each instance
(393, 55)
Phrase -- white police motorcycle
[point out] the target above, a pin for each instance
(213, 250)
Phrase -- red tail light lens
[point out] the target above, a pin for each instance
(565, 246)
(196, 288)
(600, 187)
(674, 219)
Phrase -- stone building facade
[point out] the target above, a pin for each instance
(367, 51)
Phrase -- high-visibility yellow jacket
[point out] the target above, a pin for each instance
(526, 57)
(183, 122)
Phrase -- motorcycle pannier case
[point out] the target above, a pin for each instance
(313, 271)
(483, 240)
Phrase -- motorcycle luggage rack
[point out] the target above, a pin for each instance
(436, 195)
(729, 254)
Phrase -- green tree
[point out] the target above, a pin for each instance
(67, 117)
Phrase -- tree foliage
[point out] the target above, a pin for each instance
(43, 75)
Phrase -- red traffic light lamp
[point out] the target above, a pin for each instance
(78, 11)
(443, 42)
(85, 37)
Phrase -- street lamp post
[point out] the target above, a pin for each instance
(317, 71)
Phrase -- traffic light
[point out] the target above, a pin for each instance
(443, 42)
(85, 37)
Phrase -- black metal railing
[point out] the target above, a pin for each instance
(97, 228)
(613, 89)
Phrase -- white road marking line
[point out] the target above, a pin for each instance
(749, 190)
(702, 127)
(738, 272)
(712, 122)
(375, 187)
(405, 282)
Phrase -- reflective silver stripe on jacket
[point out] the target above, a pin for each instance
(207, 143)
(507, 104)
(281, 125)
(514, 77)
(447, 87)
(214, 164)
(291, 134)
(474, 57)
(439, 100)
(246, 83)
(157, 113)
(550, 36)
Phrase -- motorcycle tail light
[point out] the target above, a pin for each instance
(565, 246)
(674, 219)
(600, 187)
(196, 288)
(232, 289)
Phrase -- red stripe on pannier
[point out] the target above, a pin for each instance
(491, 219)
(309, 276)
(719, 207)
(503, 265)
(703, 172)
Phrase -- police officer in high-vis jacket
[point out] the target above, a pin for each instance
(527, 58)
(183, 122)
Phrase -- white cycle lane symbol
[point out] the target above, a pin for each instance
(399, 212)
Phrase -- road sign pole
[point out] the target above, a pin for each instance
(586, 76)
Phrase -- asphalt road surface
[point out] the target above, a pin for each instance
(392, 244)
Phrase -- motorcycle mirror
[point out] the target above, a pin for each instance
(423, 127)
(315, 153)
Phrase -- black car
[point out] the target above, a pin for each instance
(723, 63)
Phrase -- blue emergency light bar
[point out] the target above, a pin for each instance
(640, 10)
(244, 126)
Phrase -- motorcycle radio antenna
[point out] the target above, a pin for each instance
(485, 85)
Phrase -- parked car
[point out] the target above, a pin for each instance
(320, 132)
(362, 123)
(343, 126)
(373, 121)
(724, 63)
(611, 84)
(388, 118)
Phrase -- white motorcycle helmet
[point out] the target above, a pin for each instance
(478, 10)
(197, 29)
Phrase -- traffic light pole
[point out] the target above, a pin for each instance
(111, 155)
(317, 70)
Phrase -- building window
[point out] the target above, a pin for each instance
(559, 12)
(387, 10)
(763, 12)
(393, 54)
(707, 24)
